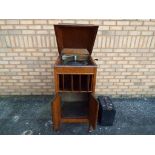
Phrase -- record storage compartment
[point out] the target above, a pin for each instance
(75, 82)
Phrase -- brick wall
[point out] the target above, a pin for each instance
(125, 50)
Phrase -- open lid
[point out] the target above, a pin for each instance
(75, 36)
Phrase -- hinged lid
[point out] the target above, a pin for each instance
(75, 36)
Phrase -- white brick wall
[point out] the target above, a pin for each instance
(125, 50)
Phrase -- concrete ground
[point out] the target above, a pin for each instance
(26, 115)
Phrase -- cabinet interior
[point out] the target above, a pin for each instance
(74, 104)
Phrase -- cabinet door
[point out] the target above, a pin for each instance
(56, 112)
(93, 111)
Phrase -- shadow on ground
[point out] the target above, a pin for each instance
(31, 115)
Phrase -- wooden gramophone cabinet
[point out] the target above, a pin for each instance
(74, 100)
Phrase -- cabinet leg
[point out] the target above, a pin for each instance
(56, 127)
(90, 129)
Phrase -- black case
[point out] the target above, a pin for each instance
(107, 111)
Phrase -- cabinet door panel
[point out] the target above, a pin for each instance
(93, 111)
(56, 111)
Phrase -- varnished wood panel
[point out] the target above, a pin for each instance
(75, 36)
(56, 112)
(75, 120)
(93, 111)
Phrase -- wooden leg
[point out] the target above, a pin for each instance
(90, 128)
(56, 127)
(56, 112)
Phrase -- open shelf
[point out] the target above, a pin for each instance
(74, 105)
(75, 82)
